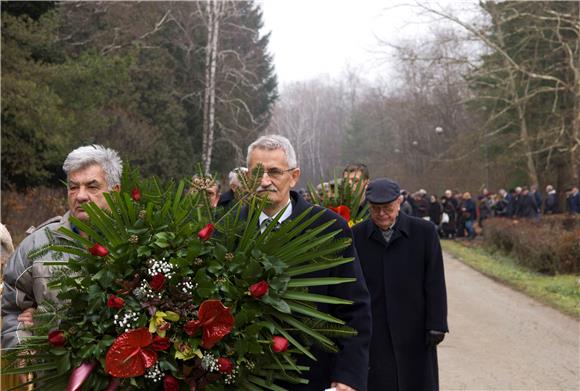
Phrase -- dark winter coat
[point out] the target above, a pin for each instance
(551, 203)
(573, 203)
(526, 206)
(407, 286)
(435, 211)
(227, 199)
(348, 366)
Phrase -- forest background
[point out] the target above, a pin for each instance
(490, 101)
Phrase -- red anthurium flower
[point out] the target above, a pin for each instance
(191, 327)
(131, 354)
(157, 282)
(160, 343)
(206, 232)
(98, 251)
(259, 289)
(136, 194)
(279, 344)
(56, 338)
(115, 302)
(342, 210)
(216, 321)
(225, 365)
(170, 383)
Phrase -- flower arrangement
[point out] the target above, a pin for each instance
(343, 198)
(165, 295)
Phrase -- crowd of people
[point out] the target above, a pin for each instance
(455, 213)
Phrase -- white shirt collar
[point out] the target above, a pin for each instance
(287, 213)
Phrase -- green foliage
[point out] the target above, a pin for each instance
(75, 74)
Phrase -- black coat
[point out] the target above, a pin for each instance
(227, 199)
(350, 365)
(406, 282)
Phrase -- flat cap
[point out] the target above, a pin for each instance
(382, 191)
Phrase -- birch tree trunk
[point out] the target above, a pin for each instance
(214, 8)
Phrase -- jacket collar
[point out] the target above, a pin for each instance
(402, 225)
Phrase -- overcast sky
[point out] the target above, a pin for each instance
(316, 37)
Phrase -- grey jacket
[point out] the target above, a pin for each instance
(25, 282)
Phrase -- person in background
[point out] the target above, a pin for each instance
(435, 210)
(551, 201)
(402, 263)
(228, 198)
(469, 212)
(448, 228)
(573, 201)
(406, 206)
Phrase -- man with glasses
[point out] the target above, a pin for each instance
(403, 266)
(347, 369)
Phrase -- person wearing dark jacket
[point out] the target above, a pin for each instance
(435, 210)
(469, 214)
(551, 201)
(347, 369)
(403, 266)
(573, 201)
(228, 198)
(450, 209)
(527, 207)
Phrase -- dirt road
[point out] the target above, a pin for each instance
(502, 340)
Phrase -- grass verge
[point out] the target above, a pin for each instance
(561, 291)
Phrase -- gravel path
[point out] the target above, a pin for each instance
(501, 339)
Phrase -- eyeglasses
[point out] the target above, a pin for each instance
(276, 173)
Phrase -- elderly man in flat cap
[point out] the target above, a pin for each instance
(403, 266)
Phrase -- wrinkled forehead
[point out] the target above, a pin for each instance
(268, 157)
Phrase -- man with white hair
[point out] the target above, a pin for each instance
(91, 171)
(347, 369)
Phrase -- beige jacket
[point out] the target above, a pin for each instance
(25, 281)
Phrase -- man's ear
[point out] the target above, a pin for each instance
(116, 188)
(295, 176)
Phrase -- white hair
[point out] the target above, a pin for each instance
(107, 158)
(233, 175)
(272, 142)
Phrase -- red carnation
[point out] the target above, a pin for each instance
(56, 338)
(279, 344)
(160, 343)
(206, 232)
(136, 194)
(115, 302)
(157, 282)
(342, 210)
(225, 365)
(259, 289)
(170, 383)
(98, 251)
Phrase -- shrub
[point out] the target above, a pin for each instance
(550, 246)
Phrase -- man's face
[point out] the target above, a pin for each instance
(213, 195)
(384, 215)
(278, 177)
(85, 185)
(354, 177)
